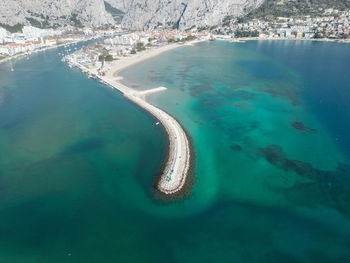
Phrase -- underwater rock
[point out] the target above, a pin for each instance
(328, 188)
(236, 147)
(301, 126)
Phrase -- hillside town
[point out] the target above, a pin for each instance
(128, 44)
(331, 24)
(32, 39)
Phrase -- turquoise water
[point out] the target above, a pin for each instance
(270, 125)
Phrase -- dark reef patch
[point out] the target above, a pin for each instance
(196, 90)
(86, 145)
(282, 90)
(236, 147)
(275, 155)
(328, 188)
(302, 127)
(5, 96)
(243, 105)
(278, 256)
(242, 94)
(9, 125)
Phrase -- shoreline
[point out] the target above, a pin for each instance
(22, 55)
(243, 39)
(144, 55)
(174, 179)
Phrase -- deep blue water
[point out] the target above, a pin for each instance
(325, 69)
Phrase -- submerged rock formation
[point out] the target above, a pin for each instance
(302, 127)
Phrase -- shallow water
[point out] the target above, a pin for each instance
(77, 160)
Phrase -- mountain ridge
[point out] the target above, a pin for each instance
(149, 14)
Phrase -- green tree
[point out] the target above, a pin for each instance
(108, 58)
(101, 58)
(140, 46)
(189, 38)
(12, 29)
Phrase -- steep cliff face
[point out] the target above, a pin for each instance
(286, 8)
(138, 14)
(48, 13)
(122, 5)
(182, 14)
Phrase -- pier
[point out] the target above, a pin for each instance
(176, 170)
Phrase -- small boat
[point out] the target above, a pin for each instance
(157, 123)
(212, 39)
(91, 76)
(12, 69)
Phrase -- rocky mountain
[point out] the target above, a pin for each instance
(149, 14)
(54, 13)
(183, 14)
(288, 8)
(139, 14)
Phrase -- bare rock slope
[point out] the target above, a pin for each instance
(50, 13)
(138, 14)
(183, 14)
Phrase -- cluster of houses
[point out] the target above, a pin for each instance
(125, 44)
(333, 24)
(32, 38)
(29, 39)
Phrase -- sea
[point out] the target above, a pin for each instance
(270, 125)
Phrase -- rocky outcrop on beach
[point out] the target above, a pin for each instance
(183, 14)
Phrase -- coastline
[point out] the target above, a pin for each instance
(243, 39)
(21, 55)
(173, 182)
(124, 63)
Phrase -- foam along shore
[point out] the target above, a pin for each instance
(176, 170)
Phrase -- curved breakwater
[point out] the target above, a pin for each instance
(176, 169)
(175, 172)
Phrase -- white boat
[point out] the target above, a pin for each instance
(91, 76)
(157, 123)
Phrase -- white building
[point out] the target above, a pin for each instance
(3, 34)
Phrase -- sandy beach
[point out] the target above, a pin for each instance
(175, 173)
